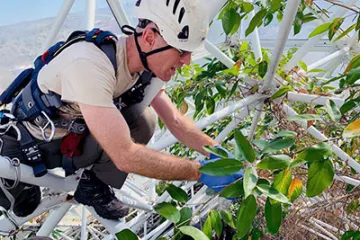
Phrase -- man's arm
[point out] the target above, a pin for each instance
(109, 128)
(180, 126)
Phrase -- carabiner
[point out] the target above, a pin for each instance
(49, 124)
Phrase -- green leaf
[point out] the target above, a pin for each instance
(243, 147)
(210, 105)
(303, 66)
(236, 26)
(233, 89)
(352, 76)
(353, 206)
(228, 20)
(352, 130)
(316, 153)
(349, 105)
(227, 217)
(250, 180)
(332, 110)
(216, 222)
(320, 29)
(255, 21)
(272, 193)
(304, 117)
(295, 189)
(223, 167)
(335, 25)
(320, 176)
(354, 63)
(297, 26)
(273, 162)
(216, 151)
(246, 7)
(207, 228)
(286, 133)
(281, 92)
(297, 163)
(126, 234)
(275, 5)
(279, 16)
(263, 68)
(220, 86)
(282, 181)
(193, 232)
(345, 32)
(246, 215)
(273, 214)
(268, 18)
(177, 193)
(185, 216)
(233, 190)
(279, 144)
(316, 70)
(357, 28)
(168, 211)
(261, 144)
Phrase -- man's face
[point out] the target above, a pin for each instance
(165, 63)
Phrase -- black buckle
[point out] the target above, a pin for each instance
(33, 154)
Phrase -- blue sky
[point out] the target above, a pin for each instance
(15, 11)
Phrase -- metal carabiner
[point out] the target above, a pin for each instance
(48, 124)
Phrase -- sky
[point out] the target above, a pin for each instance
(16, 11)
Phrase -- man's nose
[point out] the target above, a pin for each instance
(186, 59)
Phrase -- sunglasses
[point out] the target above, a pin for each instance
(183, 53)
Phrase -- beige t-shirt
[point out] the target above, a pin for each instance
(82, 73)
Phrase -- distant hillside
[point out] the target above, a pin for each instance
(21, 43)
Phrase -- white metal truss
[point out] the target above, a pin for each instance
(59, 202)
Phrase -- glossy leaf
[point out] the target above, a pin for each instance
(286, 133)
(236, 25)
(246, 215)
(320, 29)
(282, 181)
(227, 217)
(250, 180)
(304, 117)
(303, 66)
(216, 151)
(216, 222)
(210, 105)
(320, 176)
(246, 7)
(315, 153)
(261, 144)
(268, 18)
(272, 193)
(168, 211)
(126, 234)
(352, 130)
(233, 190)
(281, 92)
(333, 110)
(273, 162)
(193, 232)
(352, 76)
(295, 189)
(207, 228)
(273, 214)
(357, 28)
(255, 21)
(349, 105)
(228, 20)
(263, 66)
(279, 144)
(275, 5)
(344, 33)
(185, 216)
(223, 167)
(220, 86)
(336, 23)
(244, 147)
(354, 63)
(177, 193)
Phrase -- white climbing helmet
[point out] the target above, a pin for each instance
(183, 24)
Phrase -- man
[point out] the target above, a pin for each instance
(84, 77)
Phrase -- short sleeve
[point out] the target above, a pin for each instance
(84, 81)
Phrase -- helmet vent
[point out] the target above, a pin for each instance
(181, 15)
(138, 3)
(184, 34)
(167, 2)
(176, 4)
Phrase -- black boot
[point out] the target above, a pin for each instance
(93, 192)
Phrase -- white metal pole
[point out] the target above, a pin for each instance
(90, 14)
(164, 143)
(222, 57)
(255, 39)
(53, 219)
(318, 135)
(284, 30)
(84, 233)
(60, 19)
(119, 12)
(338, 54)
(313, 99)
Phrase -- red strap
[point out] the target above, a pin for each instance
(43, 57)
(71, 145)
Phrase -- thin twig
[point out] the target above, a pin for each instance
(342, 5)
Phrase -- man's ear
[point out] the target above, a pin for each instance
(148, 37)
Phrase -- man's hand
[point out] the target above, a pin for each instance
(218, 183)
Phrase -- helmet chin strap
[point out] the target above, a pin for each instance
(128, 30)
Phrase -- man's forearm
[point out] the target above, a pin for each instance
(186, 132)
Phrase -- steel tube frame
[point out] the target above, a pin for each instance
(336, 55)
(90, 14)
(59, 21)
(313, 99)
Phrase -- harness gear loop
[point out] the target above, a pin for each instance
(48, 123)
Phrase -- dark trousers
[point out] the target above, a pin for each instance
(141, 121)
